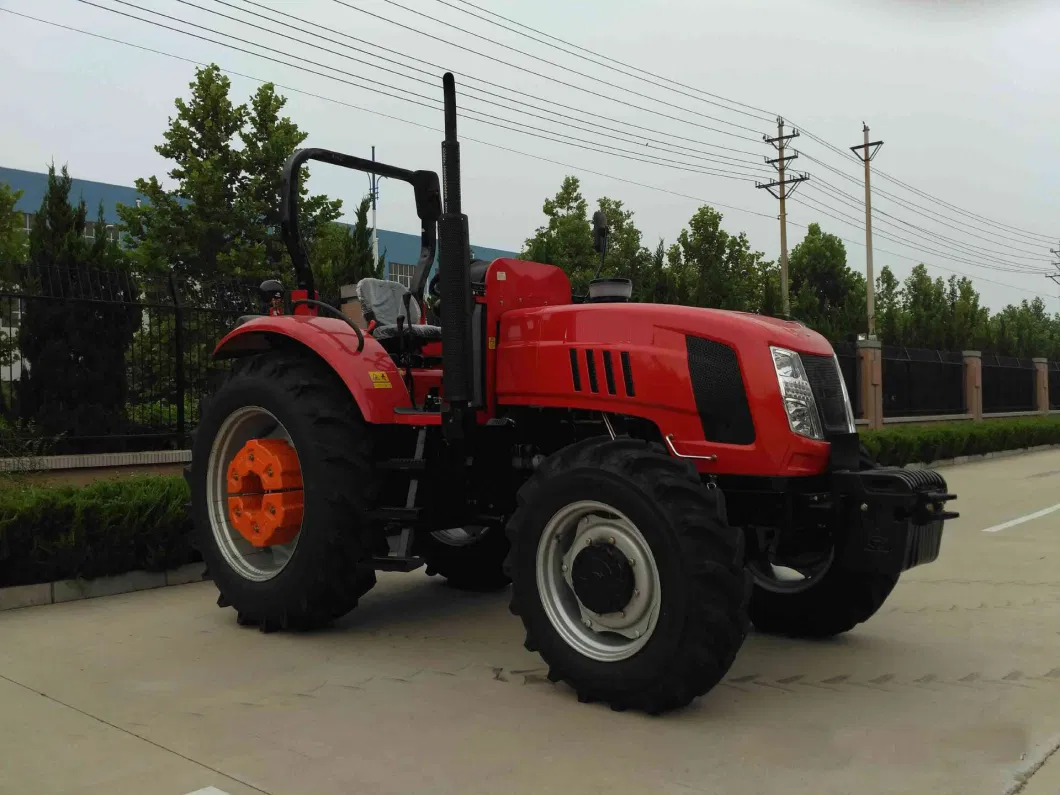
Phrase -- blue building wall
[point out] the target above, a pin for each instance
(398, 247)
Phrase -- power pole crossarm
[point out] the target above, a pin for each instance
(867, 151)
(781, 189)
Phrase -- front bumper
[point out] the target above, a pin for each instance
(892, 517)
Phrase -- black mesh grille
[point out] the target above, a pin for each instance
(719, 392)
(827, 391)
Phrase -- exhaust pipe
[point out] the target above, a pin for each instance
(454, 280)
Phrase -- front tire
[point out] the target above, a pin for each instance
(325, 569)
(668, 611)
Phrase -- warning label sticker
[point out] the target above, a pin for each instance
(380, 380)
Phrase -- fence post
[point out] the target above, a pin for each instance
(178, 343)
(1041, 383)
(973, 384)
(870, 381)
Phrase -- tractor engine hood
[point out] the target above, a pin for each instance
(705, 377)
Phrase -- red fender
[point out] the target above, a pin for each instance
(374, 382)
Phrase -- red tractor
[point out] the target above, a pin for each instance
(650, 479)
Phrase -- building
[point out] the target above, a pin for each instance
(401, 250)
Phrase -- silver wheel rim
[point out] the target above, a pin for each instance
(257, 564)
(782, 579)
(609, 637)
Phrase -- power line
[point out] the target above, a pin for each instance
(541, 75)
(756, 115)
(935, 216)
(479, 36)
(1032, 237)
(767, 115)
(629, 137)
(471, 115)
(985, 254)
(700, 200)
(919, 247)
(374, 112)
(1041, 237)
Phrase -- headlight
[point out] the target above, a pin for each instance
(796, 393)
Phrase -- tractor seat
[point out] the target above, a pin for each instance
(384, 301)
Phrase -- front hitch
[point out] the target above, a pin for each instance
(890, 519)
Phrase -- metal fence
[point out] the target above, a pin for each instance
(1008, 384)
(919, 382)
(847, 353)
(100, 361)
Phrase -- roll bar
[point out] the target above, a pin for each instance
(428, 208)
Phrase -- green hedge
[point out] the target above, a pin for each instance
(109, 527)
(914, 443)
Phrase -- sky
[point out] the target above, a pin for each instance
(963, 93)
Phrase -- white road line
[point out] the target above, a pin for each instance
(209, 791)
(1028, 518)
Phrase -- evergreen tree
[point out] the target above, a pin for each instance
(75, 332)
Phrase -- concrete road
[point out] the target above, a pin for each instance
(953, 688)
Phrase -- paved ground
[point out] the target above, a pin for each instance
(953, 688)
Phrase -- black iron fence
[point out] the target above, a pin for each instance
(101, 361)
(1008, 384)
(919, 382)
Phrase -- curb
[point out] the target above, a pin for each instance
(971, 459)
(47, 593)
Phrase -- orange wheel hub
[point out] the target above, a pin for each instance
(265, 497)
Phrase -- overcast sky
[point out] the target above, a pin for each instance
(964, 94)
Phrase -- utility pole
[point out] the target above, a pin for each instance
(1056, 252)
(373, 183)
(781, 189)
(866, 152)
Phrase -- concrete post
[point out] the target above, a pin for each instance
(1041, 383)
(870, 381)
(973, 384)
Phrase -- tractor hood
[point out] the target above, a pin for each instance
(652, 324)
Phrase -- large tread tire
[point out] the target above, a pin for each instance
(703, 617)
(838, 603)
(478, 566)
(330, 568)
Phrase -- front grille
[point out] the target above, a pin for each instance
(827, 387)
(717, 385)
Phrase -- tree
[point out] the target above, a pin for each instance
(12, 238)
(73, 337)
(566, 240)
(343, 255)
(222, 217)
(828, 296)
(268, 141)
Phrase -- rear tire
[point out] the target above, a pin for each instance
(701, 614)
(329, 568)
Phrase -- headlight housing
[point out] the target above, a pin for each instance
(796, 393)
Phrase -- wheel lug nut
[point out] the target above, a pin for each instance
(563, 567)
(632, 562)
(588, 542)
(611, 540)
(250, 456)
(636, 633)
(588, 623)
